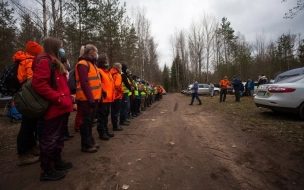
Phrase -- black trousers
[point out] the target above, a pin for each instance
(103, 112)
(115, 109)
(26, 138)
(86, 112)
(223, 94)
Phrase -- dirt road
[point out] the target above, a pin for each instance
(170, 146)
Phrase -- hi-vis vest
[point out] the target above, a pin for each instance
(144, 87)
(126, 90)
(107, 85)
(136, 88)
(93, 79)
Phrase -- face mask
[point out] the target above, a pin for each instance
(61, 52)
(106, 66)
(138, 80)
(96, 57)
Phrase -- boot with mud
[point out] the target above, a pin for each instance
(60, 165)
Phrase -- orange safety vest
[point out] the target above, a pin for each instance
(224, 83)
(93, 79)
(107, 84)
(118, 90)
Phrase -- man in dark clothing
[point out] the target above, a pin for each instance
(195, 92)
(237, 88)
(125, 102)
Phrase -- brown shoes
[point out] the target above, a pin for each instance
(26, 159)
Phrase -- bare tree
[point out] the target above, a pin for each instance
(196, 48)
(209, 28)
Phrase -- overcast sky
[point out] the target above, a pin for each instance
(249, 17)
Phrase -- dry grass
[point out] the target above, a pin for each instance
(280, 126)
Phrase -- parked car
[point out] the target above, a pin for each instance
(284, 96)
(203, 89)
(289, 73)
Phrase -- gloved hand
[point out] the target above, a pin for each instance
(92, 104)
(104, 94)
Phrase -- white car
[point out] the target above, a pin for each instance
(203, 89)
(286, 96)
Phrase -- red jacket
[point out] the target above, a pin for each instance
(61, 101)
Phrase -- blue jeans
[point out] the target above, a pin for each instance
(195, 95)
(124, 108)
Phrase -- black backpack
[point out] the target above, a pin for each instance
(9, 83)
(72, 80)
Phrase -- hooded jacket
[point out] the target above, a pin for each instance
(61, 101)
(25, 60)
(118, 90)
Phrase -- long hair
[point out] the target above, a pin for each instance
(51, 46)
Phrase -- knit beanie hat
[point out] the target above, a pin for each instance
(33, 48)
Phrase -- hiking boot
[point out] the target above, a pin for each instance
(89, 150)
(117, 128)
(190, 104)
(35, 151)
(25, 159)
(103, 136)
(125, 123)
(51, 174)
(200, 103)
(97, 146)
(62, 165)
(109, 134)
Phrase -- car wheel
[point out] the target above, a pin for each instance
(301, 111)
(215, 93)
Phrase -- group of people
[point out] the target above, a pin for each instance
(100, 91)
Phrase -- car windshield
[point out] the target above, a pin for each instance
(292, 79)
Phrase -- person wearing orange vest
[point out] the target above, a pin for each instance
(118, 94)
(27, 149)
(104, 106)
(88, 94)
(223, 84)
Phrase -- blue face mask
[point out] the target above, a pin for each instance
(61, 52)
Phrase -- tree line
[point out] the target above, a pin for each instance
(103, 23)
(210, 50)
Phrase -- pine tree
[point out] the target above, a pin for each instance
(7, 35)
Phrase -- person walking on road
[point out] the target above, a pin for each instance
(194, 89)
(223, 84)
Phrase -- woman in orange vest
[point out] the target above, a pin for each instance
(118, 94)
(104, 106)
(88, 94)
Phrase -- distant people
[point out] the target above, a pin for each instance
(211, 89)
(88, 94)
(262, 79)
(237, 86)
(224, 83)
(194, 89)
(251, 87)
(247, 91)
(55, 119)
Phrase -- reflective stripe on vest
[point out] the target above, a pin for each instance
(93, 80)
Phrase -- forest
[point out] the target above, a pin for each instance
(208, 50)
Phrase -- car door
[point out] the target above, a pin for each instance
(204, 89)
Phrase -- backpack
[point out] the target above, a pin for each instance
(72, 80)
(28, 102)
(9, 83)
